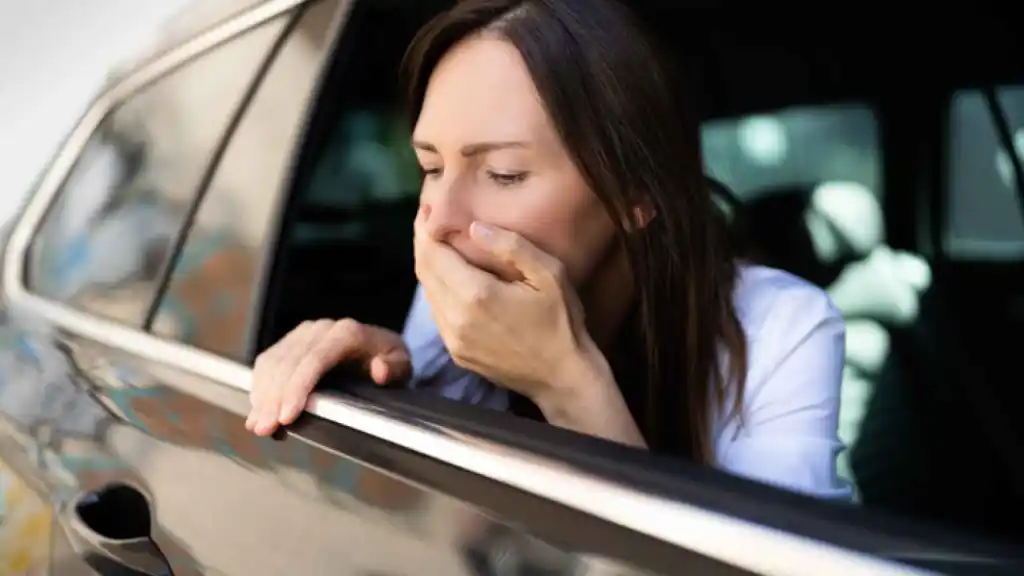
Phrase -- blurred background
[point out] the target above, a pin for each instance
(55, 57)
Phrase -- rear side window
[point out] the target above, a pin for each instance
(985, 219)
(112, 228)
(794, 147)
(208, 302)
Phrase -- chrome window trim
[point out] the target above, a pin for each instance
(737, 542)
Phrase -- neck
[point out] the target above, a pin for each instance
(608, 298)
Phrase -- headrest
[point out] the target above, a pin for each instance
(814, 230)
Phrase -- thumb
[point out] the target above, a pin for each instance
(393, 366)
(534, 264)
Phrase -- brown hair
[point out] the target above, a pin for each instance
(634, 139)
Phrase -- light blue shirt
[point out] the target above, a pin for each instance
(796, 344)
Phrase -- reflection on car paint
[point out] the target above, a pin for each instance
(179, 418)
(25, 523)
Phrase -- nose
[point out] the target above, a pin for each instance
(449, 213)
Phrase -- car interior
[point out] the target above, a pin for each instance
(871, 165)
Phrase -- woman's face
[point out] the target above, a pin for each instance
(490, 153)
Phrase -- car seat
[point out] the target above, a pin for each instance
(831, 233)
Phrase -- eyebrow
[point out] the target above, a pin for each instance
(474, 148)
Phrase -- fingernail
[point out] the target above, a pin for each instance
(482, 231)
(286, 411)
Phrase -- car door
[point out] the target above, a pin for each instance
(147, 463)
(131, 288)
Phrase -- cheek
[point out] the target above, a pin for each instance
(567, 222)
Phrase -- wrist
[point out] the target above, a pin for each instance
(583, 396)
(579, 375)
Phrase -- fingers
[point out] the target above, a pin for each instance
(286, 373)
(438, 264)
(345, 340)
(391, 367)
(533, 263)
(272, 368)
(419, 223)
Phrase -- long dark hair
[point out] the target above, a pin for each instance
(635, 139)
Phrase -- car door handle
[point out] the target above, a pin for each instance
(110, 530)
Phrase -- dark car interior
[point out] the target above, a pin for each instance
(936, 438)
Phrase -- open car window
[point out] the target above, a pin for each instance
(355, 193)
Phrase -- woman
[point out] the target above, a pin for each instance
(568, 253)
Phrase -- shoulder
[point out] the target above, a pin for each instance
(788, 433)
(795, 338)
(776, 307)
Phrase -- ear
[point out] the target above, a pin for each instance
(640, 215)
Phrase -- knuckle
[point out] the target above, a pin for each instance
(349, 328)
(322, 324)
(265, 361)
(480, 295)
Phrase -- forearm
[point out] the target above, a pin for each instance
(587, 399)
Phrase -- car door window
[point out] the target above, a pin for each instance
(794, 147)
(812, 175)
(985, 220)
(208, 300)
(113, 226)
(345, 249)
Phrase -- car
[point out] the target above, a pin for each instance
(253, 171)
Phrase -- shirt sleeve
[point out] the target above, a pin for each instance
(423, 340)
(789, 433)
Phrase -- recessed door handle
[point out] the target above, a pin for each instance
(110, 530)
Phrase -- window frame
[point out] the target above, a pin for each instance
(54, 178)
(958, 249)
(166, 274)
(647, 499)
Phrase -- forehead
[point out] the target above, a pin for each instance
(481, 90)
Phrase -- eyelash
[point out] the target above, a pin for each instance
(507, 179)
(498, 178)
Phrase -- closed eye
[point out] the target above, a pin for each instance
(507, 179)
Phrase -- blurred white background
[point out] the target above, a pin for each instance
(54, 57)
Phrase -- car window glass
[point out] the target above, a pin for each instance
(113, 224)
(208, 300)
(795, 146)
(985, 219)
